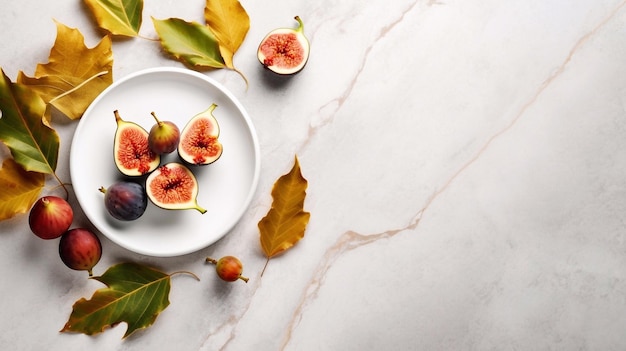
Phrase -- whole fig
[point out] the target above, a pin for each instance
(228, 268)
(50, 217)
(163, 136)
(80, 249)
(125, 200)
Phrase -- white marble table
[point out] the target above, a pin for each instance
(467, 184)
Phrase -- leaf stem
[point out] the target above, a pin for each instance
(78, 86)
(187, 273)
(265, 266)
(242, 76)
(62, 185)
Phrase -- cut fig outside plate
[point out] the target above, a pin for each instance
(225, 188)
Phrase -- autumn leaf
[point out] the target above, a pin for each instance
(135, 294)
(190, 42)
(118, 17)
(230, 23)
(32, 142)
(20, 189)
(74, 75)
(286, 221)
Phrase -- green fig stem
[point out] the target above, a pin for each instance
(300, 24)
(90, 271)
(200, 209)
(117, 116)
(102, 189)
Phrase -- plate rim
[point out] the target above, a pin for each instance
(246, 118)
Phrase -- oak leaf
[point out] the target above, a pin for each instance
(286, 221)
(190, 42)
(74, 75)
(118, 17)
(135, 294)
(33, 143)
(229, 22)
(20, 189)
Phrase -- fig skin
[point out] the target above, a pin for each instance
(285, 51)
(228, 268)
(125, 201)
(80, 249)
(50, 217)
(163, 136)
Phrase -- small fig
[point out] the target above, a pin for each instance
(163, 137)
(285, 51)
(50, 217)
(228, 268)
(173, 187)
(199, 143)
(131, 151)
(80, 249)
(125, 201)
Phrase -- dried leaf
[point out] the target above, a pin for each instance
(189, 42)
(135, 294)
(74, 75)
(286, 221)
(230, 23)
(118, 17)
(20, 189)
(32, 142)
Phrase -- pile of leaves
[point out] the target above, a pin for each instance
(71, 79)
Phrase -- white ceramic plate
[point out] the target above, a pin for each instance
(226, 187)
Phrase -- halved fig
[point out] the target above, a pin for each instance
(285, 50)
(173, 187)
(131, 150)
(198, 143)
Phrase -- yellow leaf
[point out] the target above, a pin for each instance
(229, 22)
(74, 75)
(20, 189)
(286, 221)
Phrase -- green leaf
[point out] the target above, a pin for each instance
(190, 42)
(32, 142)
(136, 294)
(118, 17)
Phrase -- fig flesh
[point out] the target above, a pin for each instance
(50, 217)
(163, 137)
(173, 187)
(80, 249)
(199, 144)
(131, 149)
(285, 51)
(125, 201)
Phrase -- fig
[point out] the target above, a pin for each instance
(131, 150)
(80, 249)
(125, 201)
(285, 51)
(50, 217)
(199, 143)
(173, 187)
(163, 137)
(228, 268)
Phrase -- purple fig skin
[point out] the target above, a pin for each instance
(163, 137)
(80, 249)
(50, 217)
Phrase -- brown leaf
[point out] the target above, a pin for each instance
(20, 189)
(285, 223)
(74, 75)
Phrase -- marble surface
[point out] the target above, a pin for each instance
(467, 183)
